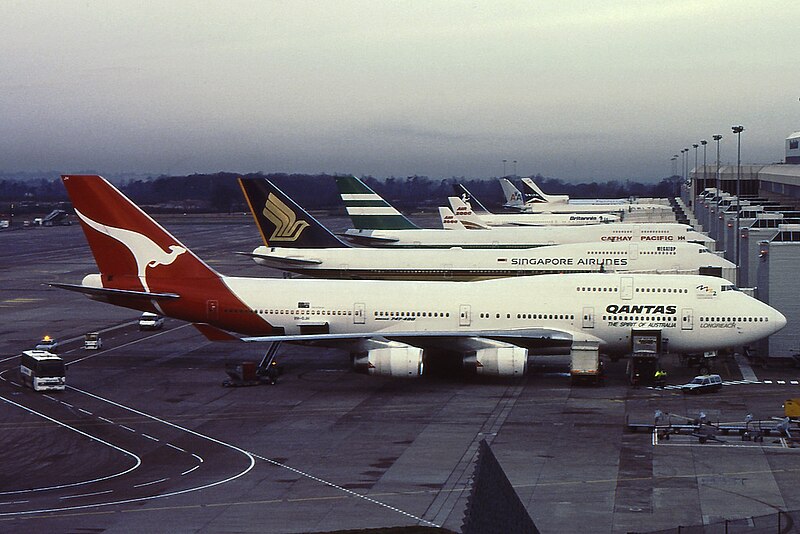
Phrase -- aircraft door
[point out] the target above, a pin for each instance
(464, 315)
(626, 287)
(687, 319)
(212, 310)
(359, 317)
(588, 317)
(633, 251)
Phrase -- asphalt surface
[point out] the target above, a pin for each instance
(146, 438)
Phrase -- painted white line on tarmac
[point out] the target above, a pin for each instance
(87, 412)
(137, 462)
(252, 464)
(86, 494)
(198, 458)
(190, 470)
(150, 483)
(345, 490)
(149, 437)
(129, 429)
(175, 447)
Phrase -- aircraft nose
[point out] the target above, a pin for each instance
(779, 319)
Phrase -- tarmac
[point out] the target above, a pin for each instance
(145, 438)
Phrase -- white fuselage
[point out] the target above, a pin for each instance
(693, 313)
(472, 264)
(532, 236)
(570, 207)
(545, 219)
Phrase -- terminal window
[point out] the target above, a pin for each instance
(793, 144)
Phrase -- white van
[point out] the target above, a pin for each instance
(703, 383)
(151, 321)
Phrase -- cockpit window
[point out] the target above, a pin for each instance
(730, 287)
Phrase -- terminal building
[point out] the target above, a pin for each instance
(759, 230)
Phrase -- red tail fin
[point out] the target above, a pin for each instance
(132, 250)
(138, 256)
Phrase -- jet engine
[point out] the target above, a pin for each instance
(495, 358)
(387, 358)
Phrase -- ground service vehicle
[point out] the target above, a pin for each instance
(151, 321)
(586, 366)
(702, 384)
(791, 408)
(42, 370)
(48, 344)
(92, 341)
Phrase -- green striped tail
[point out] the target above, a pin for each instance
(367, 209)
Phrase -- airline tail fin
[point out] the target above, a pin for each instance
(449, 221)
(281, 221)
(142, 266)
(367, 209)
(469, 199)
(465, 215)
(132, 251)
(512, 194)
(535, 194)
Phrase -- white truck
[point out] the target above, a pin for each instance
(585, 366)
(92, 341)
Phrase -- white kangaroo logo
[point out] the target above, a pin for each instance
(146, 252)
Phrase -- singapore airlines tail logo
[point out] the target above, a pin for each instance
(145, 251)
(287, 227)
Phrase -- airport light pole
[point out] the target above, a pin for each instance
(738, 131)
(695, 145)
(717, 138)
(686, 163)
(704, 143)
(673, 159)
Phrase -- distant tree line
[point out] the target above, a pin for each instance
(220, 192)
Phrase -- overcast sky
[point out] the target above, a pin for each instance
(576, 90)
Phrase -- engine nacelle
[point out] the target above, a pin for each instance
(388, 358)
(497, 359)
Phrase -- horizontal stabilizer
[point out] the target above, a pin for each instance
(280, 260)
(370, 240)
(106, 292)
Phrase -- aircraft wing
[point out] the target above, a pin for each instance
(519, 336)
(279, 261)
